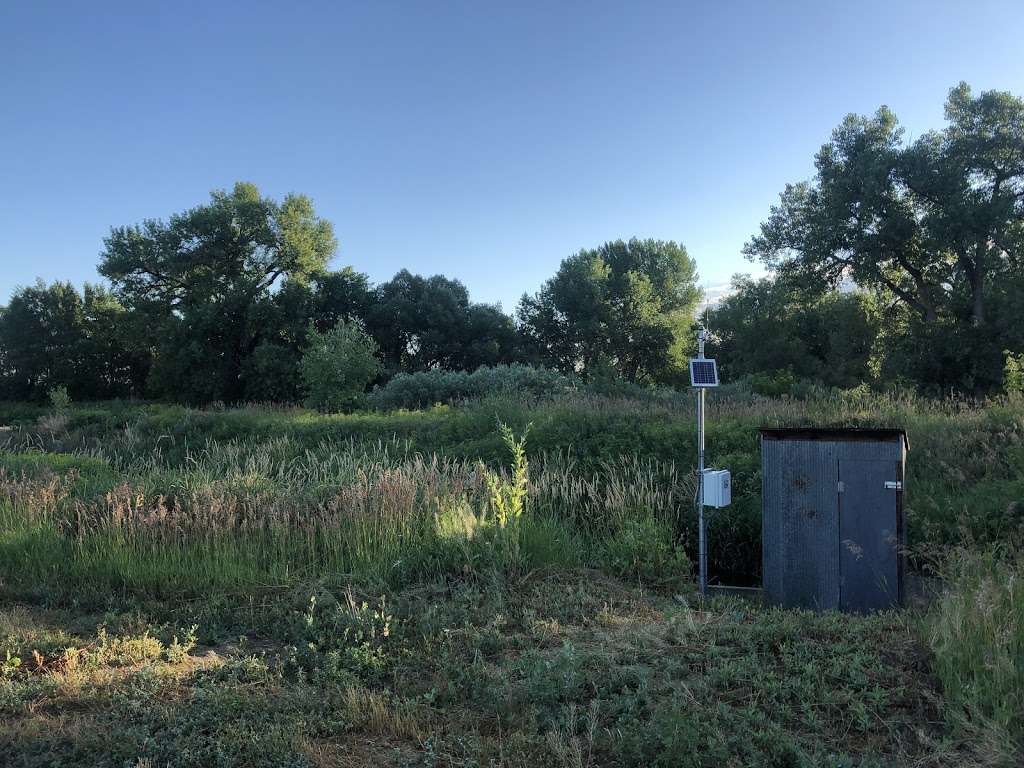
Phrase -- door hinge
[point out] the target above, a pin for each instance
(841, 486)
(893, 485)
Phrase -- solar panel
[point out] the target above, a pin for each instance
(703, 373)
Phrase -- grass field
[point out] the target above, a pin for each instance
(267, 586)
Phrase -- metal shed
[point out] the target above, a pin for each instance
(832, 516)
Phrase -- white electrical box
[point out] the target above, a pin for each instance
(717, 488)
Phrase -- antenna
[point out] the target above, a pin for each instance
(707, 308)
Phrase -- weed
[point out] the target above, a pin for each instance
(508, 498)
(178, 650)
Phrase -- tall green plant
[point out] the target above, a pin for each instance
(59, 398)
(509, 497)
(338, 365)
(1013, 373)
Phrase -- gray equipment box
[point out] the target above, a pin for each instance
(833, 534)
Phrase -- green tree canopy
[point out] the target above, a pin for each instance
(930, 224)
(970, 180)
(240, 244)
(625, 305)
(773, 326)
(41, 333)
(53, 336)
(200, 276)
(429, 322)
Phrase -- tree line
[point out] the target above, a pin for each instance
(899, 262)
(217, 304)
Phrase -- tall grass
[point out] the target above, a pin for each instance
(976, 632)
(965, 468)
(249, 514)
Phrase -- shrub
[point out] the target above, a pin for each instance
(643, 549)
(773, 383)
(57, 421)
(338, 365)
(1013, 379)
(425, 388)
(59, 398)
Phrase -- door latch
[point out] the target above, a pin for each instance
(893, 485)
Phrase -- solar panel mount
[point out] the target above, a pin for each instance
(703, 372)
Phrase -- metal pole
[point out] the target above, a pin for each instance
(702, 545)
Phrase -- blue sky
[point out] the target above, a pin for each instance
(484, 141)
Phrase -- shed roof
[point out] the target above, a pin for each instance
(836, 434)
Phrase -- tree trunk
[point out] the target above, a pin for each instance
(923, 301)
(919, 303)
(978, 284)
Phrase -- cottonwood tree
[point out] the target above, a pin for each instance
(970, 180)
(429, 322)
(200, 276)
(489, 337)
(41, 334)
(773, 326)
(927, 224)
(54, 336)
(627, 306)
(856, 220)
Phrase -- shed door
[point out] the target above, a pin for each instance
(868, 535)
(810, 527)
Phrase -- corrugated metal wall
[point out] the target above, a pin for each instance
(806, 561)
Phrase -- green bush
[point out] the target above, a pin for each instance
(643, 549)
(338, 365)
(426, 388)
(59, 398)
(1014, 373)
(773, 383)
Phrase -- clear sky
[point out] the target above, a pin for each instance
(484, 141)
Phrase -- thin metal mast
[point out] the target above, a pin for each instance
(702, 546)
